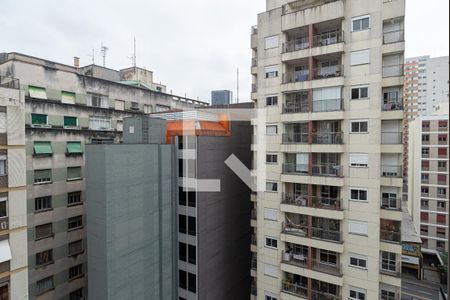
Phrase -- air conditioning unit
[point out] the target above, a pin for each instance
(4, 225)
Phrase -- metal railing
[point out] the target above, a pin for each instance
(391, 203)
(324, 234)
(253, 214)
(296, 44)
(289, 228)
(292, 168)
(293, 288)
(327, 138)
(331, 169)
(295, 199)
(393, 70)
(296, 258)
(327, 105)
(328, 72)
(391, 236)
(328, 38)
(296, 107)
(9, 82)
(394, 36)
(326, 203)
(391, 138)
(296, 6)
(295, 138)
(391, 171)
(325, 267)
(391, 105)
(318, 295)
(296, 76)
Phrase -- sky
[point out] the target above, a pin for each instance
(192, 46)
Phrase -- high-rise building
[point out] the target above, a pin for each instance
(222, 97)
(66, 107)
(328, 80)
(13, 192)
(428, 179)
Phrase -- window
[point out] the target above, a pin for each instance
(192, 254)
(270, 297)
(388, 261)
(271, 71)
(440, 231)
(424, 216)
(271, 42)
(42, 176)
(441, 219)
(161, 108)
(3, 119)
(442, 138)
(359, 126)
(3, 171)
(357, 294)
(271, 100)
(42, 148)
(44, 285)
(182, 196)
(442, 124)
(182, 225)
(96, 100)
(360, 23)
(424, 229)
(270, 214)
(271, 270)
(3, 207)
(119, 105)
(74, 223)
(99, 123)
(442, 152)
(442, 164)
(359, 160)
(357, 227)
(76, 247)
(76, 295)
(424, 203)
(43, 231)
(359, 261)
(424, 178)
(441, 191)
(38, 119)
(328, 257)
(425, 165)
(75, 271)
(70, 122)
(147, 109)
(42, 203)
(387, 295)
(425, 152)
(37, 92)
(271, 129)
(271, 158)
(425, 137)
(192, 282)
(74, 198)
(358, 194)
(360, 57)
(44, 257)
(192, 226)
(271, 187)
(441, 178)
(74, 148)
(68, 97)
(271, 242)
(360, 92)
(182, 279)
(182, 251)
(134, 106)
(73, 173)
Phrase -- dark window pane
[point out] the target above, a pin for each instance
(182, 251)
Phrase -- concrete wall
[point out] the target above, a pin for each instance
(130, 225)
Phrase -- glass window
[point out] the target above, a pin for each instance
(73, 173)
(74, 223)
(182, 251)
(43, 203)
(359, 126)
(44, 257)
(70, 122)
(42, 176)
(271, 186)
(75, 271)
(74, 198)
(44, 285)
(271, 100)
(76, 247)
(38, 119)
(43, 231)
(361, 23)
(68, 97)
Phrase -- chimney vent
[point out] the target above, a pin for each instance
(76, 62)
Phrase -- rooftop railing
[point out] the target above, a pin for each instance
(9, 82)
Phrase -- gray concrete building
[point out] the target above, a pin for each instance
(222, 97)
(65, 108)
(131, 196)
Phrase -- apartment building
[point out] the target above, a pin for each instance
(13, 214)
(328, 80)
(428, 182)
(65, 108)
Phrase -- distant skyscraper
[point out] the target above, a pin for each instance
(223, 97)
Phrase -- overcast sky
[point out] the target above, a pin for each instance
(192, 46)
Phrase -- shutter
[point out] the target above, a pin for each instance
(70, 121)
(440, 218)
(359, 160)
(73, 172)
(270, 69)
(67, 97)
(38, 119)
(43, 174)
(2, 122)
(271, 42)
(357, 227)
(360, 57)
(271, 270)
(42, 148)
(37, 92)
(271, 214)
(74, 147)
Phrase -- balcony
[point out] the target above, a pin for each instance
(296, 76)
(326, 203)
(296, 103)
(295, 199)
(327, 235)
(328, 38)
(394, 36)
(317, 295)
(253, 239)
(328, 72)
(301, 259)
(254, 263)
(390, 203)
(327, 138)
(294, 289)
(297, 44)
(9, 82)
(295, 138)
(390, 231)
(391, 171)
(317, 201)
(391, 138)
(330, 170)
(253, 214)
(392, 105)
(328, 105)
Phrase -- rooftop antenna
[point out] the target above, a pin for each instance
(237, 86)
(133, 57)
(103, 50)
(92, 56)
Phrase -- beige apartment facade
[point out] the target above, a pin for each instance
(428, 183)
(327, 80)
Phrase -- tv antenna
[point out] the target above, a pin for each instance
(92, 56)
(103, 50)
(133, 57)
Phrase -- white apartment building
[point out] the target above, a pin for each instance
(328, 83)
(428, 183)
(13, 193)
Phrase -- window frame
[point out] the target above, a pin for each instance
(359, 88)
(359, 258)
(359, 190)
(360, 19)
(272, 241)
(268, 39)
(42, 199)
(359, 126)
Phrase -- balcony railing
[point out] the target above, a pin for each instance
(391, 203)
(292, 168)
(296, 76)
(391, 171)
(253, 289)
(394, 36)
(295, 229)
(253, 214)
(393, 70)
(390, 236)
(9, 82)
(295, 138)
(392, 105)
(318, 295)
(326, 267)
(333, 170)
(294, 288)
(326, 203)
(296, 107)
(327, 105)
(391, 138)
(296, 45)
(295, 199)
(327, 138)
(296, 258)
(324, 234)
(329, 38)
(328, 72)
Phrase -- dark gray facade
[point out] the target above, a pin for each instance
(130, 203)
(223, 97)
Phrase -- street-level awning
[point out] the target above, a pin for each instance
(5, 251)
